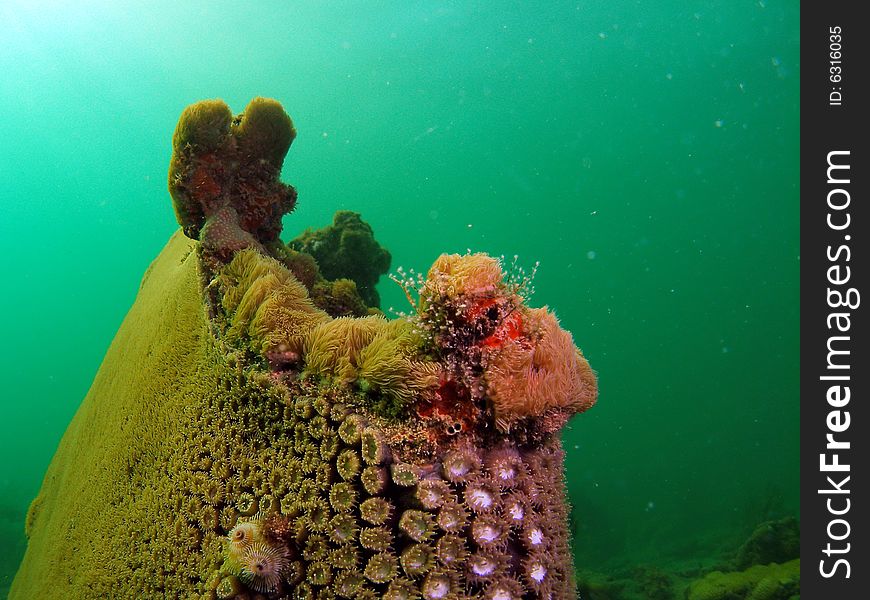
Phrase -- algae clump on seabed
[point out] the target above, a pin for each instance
(241, 441)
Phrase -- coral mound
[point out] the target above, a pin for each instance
(347, 249)
(240, 442)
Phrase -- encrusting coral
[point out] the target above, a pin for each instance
(239, 442)
(267, 306)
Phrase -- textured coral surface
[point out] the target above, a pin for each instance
(241, 442)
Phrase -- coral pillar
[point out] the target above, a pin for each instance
(241, 442)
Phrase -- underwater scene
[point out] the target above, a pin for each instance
(423, 300)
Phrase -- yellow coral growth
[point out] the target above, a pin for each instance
(84, 496)
(377, 353)
(237, 277)
(282, 325)
(553, 373)
(333, 347)
(387, 363)
(204, 124)
(267, 303)
(268, 306)
(256, 294)
(265, 130)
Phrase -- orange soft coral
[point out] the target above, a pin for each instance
(539, 371)
(497, 348)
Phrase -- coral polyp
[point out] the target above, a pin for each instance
(375, 510)
(459, 464)
(481, 498)
(432, 493)
(438, 585)
(257, 431)
(417, 559)
(452, 518)
(484, 566)
(488, 531)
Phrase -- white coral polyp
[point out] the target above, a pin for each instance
(459, 469)
(437, 589)
(538, 572)
(483, 567)
(536, 537)
(488, 533)
(429, 496)
(480, 499)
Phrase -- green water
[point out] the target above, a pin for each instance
(646, 153)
